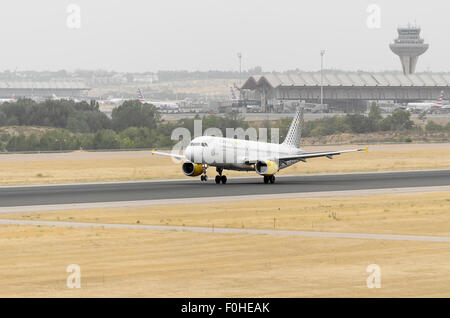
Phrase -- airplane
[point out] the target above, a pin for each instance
(8, 100)
(58, 98)
(425, 106)
(266, 159)
(234, 97)
(445, 108)
(162, 106)
(112, 101)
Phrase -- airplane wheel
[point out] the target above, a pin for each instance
(266, 179)
(204, 178)
(218, 178)
(224, 179)
(272, 179)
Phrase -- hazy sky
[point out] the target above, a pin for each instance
(156, 35)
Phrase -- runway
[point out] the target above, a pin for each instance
(193, 188)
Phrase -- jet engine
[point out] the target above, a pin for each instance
(192, 169)
(266, 167)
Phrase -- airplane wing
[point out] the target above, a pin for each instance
(329, 154)
(166, 154)
(306, 155)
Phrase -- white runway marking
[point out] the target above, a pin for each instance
(142, 203)
(363, 236)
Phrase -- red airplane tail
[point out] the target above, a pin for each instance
(440, 98)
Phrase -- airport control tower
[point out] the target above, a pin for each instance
(408, 46)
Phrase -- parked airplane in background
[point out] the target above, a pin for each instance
(8, 100)
(54, 97)
(245, 155)
(161, 106)
(425, 106)
(112, 101)
(234, 97)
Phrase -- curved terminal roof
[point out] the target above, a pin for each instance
(350, 79)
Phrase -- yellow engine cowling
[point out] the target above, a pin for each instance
(192, 169)
(266, 167)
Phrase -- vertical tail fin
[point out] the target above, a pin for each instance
(233, 95)
(440, 98)
(293, 137)
(140, 95)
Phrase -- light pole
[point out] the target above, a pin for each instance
(239, 55)
(322, 52)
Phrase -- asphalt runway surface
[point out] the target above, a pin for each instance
(193, 188)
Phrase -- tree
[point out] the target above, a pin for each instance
(431, 126)
(106, 139)
(135, 114)
(77, 123)
(57, 139)
(134, 137)
(399, 120)
(3, 119)
(374, 117)
(358, 123)
(78, 117)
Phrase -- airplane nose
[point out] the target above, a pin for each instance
(189, 154)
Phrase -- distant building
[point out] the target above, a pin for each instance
(409, 46)
(145, 78)
(43, 89)
(347, 89)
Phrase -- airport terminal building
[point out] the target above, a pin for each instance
(69, 89)
(347, 88)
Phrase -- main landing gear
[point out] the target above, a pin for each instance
(220, 178)
(268, 179)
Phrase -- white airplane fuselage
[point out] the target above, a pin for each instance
(163, 106)
(423, 106)
(426, 106)
(234, 154)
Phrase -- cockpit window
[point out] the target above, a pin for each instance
(201, 144)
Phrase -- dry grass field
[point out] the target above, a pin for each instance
(143, 263)
(141, 165)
